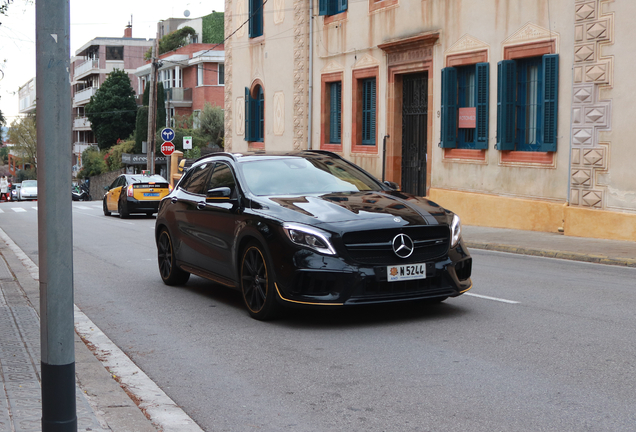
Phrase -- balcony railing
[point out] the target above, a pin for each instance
(179, 94)
(84, 96)
(85, 67)
(81, 123)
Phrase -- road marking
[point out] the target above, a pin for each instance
(18, 209)
(97, 206)
(154, 402)
(1, 211)
(492, 298)
(34, 208)
(83, 207)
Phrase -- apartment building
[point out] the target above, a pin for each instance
(90, 67)
(514, 114)
(27, 96)
(191, 75)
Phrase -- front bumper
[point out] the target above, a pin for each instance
(309, 278)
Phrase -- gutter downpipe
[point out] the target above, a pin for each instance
(311, 72)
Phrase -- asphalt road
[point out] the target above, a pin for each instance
(560, 359)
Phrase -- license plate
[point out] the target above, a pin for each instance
(151, 193)
(406, 272)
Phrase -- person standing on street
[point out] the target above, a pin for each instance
(4, 188)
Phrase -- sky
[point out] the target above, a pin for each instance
(89, 19)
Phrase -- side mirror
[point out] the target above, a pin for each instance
(391, 185)
(221, 194)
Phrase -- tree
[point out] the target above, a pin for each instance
(211, 123)
(4, 5)
(92, 163)
(141, 125)
(112, 110)
(23, 134)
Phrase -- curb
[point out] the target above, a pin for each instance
(572, 256)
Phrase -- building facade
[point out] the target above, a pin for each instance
(90, 68)
(191, 75)
(27, 96)
(513, 114)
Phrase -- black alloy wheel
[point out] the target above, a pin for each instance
(257, 284)
(170, 273)
(122, 209)
(106, 211)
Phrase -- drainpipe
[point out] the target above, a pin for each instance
(311, 71)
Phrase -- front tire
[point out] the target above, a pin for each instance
(170, 273)
(257, 283)
(106, 211)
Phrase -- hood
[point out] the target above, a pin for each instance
(357, 208)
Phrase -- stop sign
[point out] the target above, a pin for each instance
(167, 148)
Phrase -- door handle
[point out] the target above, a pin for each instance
(174, 200)
(201, 205)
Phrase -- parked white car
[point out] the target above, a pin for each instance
(29, 190)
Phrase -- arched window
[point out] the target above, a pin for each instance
(254, 114)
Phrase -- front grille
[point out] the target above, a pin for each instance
(374, 247)
(314, 283)
(429, 287)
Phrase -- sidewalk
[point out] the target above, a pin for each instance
(613, 252)
(102, 405)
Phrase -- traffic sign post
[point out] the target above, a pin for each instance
(167, 148)
(167, 134)
(187, 143)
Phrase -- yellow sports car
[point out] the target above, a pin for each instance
(135, 193)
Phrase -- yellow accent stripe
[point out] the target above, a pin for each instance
(467, 289)
(305, 303)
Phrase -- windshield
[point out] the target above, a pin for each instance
(299, 176)
(147, 179)
(29, 183)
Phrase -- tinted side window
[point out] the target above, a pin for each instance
(196, 181)
(222, 177)
(115, 183)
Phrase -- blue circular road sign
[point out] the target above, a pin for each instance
(167, 134)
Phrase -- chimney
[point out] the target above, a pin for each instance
(128, 31)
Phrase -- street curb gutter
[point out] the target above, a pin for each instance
(572, 256)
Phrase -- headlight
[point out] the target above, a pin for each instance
(309, 237)
(456, 231)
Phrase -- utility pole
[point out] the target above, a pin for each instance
(152, 109)
(55, 227)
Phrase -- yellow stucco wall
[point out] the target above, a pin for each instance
(536, 215)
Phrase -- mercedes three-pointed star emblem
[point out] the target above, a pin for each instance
(402, 245)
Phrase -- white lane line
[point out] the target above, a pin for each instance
(82, 207)
(162, 410)
(1, 211)
(34, 271)
(97, 206)
(34, 208)
(492, 298)
(18, 209)
(153, 401)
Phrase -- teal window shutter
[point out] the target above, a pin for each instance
(342, 5)
(482, 90)
(322, 7)
(549, 113)
(335, 115)
(256, 18)
(259, 104)
(506, 100)
(248, 136)
(368, 111)
(449, 108)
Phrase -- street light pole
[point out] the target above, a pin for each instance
(55, 227)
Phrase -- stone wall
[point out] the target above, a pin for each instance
(97, 183)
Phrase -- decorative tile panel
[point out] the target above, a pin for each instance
(239, 115)
(301, 74)
(227, 108)
(583, 53)
(279, 113)
(585, 11)
(592, 71)
(279, 11)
